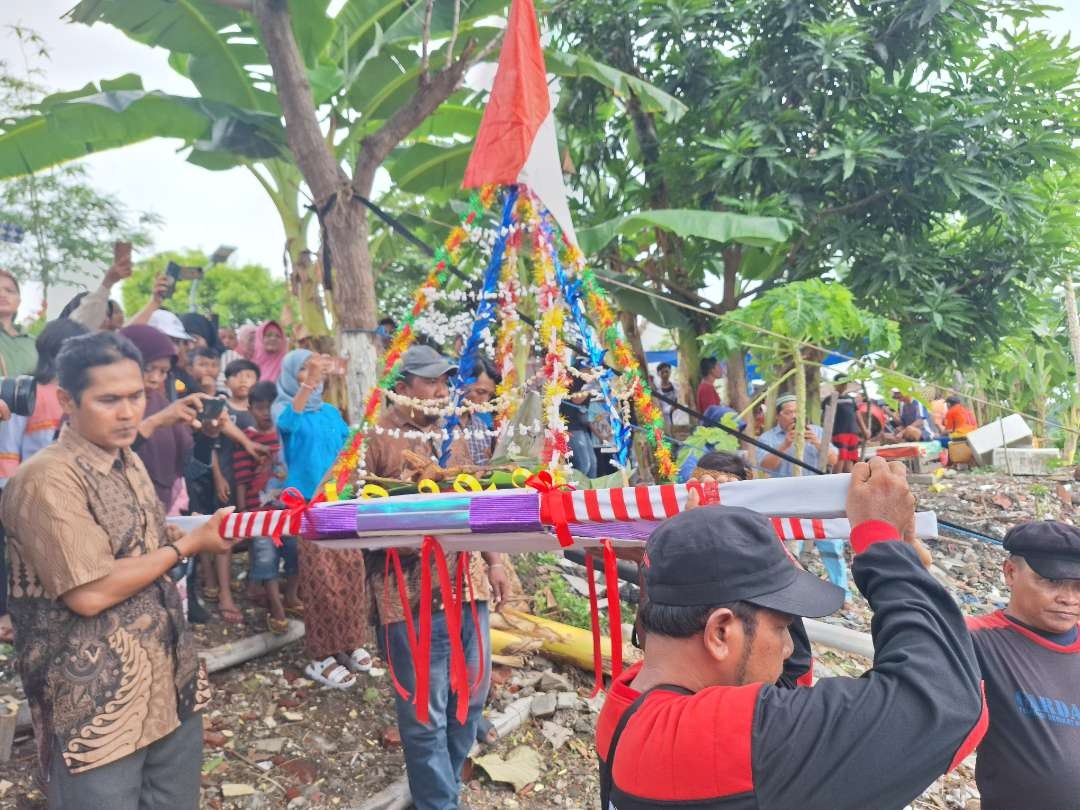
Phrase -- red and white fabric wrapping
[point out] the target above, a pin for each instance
(808, 508)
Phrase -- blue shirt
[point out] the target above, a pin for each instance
(310, 443)
(774, 438)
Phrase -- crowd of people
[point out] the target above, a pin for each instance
(171, 414)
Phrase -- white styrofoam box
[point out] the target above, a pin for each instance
(1012, 431)
(1025, 460)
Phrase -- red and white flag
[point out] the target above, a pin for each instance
(516, 142)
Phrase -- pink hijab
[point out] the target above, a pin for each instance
(269, 364)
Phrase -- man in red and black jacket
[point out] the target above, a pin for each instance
(1030, 657)
(702, 723)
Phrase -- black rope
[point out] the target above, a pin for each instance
(403, 231)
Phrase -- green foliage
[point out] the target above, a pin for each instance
(709, 437)
(812, 311)
(236, 294)
(68, 223)
(712, 225)
(911, 143)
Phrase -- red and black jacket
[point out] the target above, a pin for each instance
(872, 742)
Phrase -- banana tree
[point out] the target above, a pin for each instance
(377, 84)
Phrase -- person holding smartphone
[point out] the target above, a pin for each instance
(96, 310)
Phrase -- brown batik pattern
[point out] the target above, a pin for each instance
(104, 686)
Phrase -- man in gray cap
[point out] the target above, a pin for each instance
(1030, 658)
(435, 751)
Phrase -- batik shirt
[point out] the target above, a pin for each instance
(104, 686)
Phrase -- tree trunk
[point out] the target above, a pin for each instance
(629, 323)
(342, 215)
(738, 390)
(800, 410)
(813, 384)
(689, 363)
(827, 423)
(1074, 344)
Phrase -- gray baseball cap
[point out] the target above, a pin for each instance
(424, 361)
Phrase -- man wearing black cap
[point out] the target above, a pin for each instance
(700, 724)
(1030, 658)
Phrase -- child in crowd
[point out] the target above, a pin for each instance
(258, 484)
(205, 367)
(238, 383)
(240, 377)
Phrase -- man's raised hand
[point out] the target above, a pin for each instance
(879, 491)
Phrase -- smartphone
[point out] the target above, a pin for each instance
(177, 273)
(212, 408)
(121, 252)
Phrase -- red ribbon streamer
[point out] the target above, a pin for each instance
(611, 574)
(594, 617)
(554, 505)
(297, 507)
(419, 634)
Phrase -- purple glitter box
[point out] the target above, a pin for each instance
(450, 512)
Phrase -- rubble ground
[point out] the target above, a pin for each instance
(274, 739)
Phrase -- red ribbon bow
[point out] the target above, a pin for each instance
(554, 505)
(297, 507)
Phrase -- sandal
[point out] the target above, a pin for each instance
(330, 673)
(231, 615)
(211, 593)
(296, 610)
(278, 627)
(359, 660)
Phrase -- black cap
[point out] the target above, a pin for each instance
(1050, 547)
(717, 554)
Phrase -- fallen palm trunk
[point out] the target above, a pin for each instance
(516, 633)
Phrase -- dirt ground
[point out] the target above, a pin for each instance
(283, 741)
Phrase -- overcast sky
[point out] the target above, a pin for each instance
(201, 209)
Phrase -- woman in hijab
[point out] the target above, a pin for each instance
(202, 329)
(269, 350)
(331, 582)
(245, 340)
(165, 442)
(166, 436)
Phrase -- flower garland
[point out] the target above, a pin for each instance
(485, 312)
(547, 234)
(552, 323)
(445, 256)
(510, 331)
(649, 415)
(348, 459)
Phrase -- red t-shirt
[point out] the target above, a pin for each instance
(707, 396)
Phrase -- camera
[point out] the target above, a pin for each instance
(19, 394)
